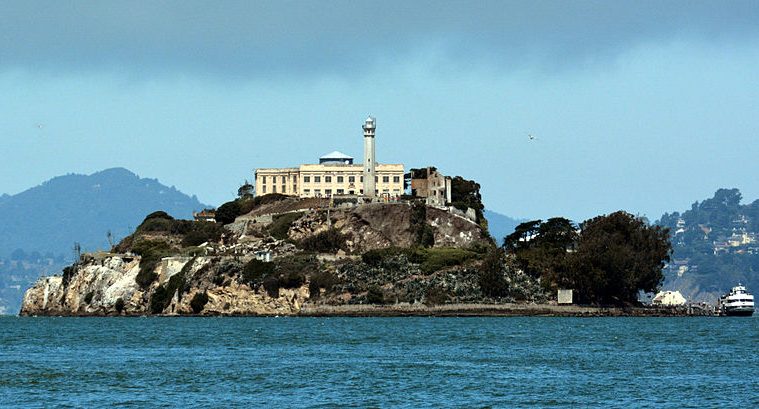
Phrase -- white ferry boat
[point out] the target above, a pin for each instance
(737, 302)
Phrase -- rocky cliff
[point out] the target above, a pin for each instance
(274, 261)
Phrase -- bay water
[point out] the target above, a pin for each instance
(379, 362)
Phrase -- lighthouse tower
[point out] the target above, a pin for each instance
(370, 161)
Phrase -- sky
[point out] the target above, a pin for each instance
(642, 106)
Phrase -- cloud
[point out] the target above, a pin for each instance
(270, 38)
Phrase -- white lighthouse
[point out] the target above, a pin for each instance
(370, 161)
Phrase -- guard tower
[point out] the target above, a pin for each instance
(370, 161)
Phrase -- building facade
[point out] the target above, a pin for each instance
(336, 175)
(431, 185)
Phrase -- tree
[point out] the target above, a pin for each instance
(617, 256)
(227, 212)
(246, 190)
(540, 248)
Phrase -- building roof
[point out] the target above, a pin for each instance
(336, 155)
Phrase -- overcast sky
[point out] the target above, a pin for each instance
(641, 106)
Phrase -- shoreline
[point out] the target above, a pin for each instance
(444, 310)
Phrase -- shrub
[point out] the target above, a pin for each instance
(424, 235)
(319, 280)
(158, 215)
(490, 278)
(292, 279)
(374, 295)
(201, 232)
(162, 296)
(435, 296)
(227, 212)
(198, 302)
(376, 257)
(281, 224)
(329, 241)
(68, 274)
(88, 297)
(255, 271)
(119, 305)
(438, 258)
(271, 285)
(151, 252)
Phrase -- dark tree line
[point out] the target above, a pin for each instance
(606, 260)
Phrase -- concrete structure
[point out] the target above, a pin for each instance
(564, 296)
(430, 184)
(336, 175)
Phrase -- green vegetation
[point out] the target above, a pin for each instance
(435, 296)
(227, 212)
(151, 253)
(255, 271)
(429, 260)
(119, 305)
(491, 278)
(374, 295)
(281, 224)
(198, 302)
(607, 262)
(88, 297)
(424, 235)
(321, 280)
(466, 194)
(704, 242)
(329, 241)
(163, 294)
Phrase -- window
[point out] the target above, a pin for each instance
(274, 189)
(376, 179)
(340, 179)
(351, 179)
(396, 179)
(351, 192)
(284, 179)
(328, 192)
(385, 179)
(283, 189)
(340, 191)
(263, 179)
(362, 179)
(306, 179)
(317, 192)
(317, 179)
(263, 188)
(328, 179)
(306, 191)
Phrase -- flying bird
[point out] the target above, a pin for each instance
(532, 138)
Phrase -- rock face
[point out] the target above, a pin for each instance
(97, 285)
(217, 278)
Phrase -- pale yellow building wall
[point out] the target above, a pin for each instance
(327, 179)
(277, 180)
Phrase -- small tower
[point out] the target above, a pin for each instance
(370, 161)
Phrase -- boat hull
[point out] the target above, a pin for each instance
(739, 312)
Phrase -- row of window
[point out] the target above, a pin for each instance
(328, 192)
(282, 179)
(274, 189)
(351, 179)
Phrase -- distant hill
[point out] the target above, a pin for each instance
(50, 217)
(715, 244)
(38, 227)
(500, 225)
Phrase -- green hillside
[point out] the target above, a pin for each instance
(716, 245)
